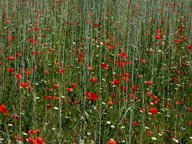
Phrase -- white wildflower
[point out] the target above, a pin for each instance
(153, 138)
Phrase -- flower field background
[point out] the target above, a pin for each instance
(95, 71)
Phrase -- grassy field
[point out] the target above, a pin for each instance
(95, 71)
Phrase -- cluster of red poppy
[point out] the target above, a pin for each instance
(104, 67)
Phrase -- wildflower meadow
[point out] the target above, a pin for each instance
(95, 71)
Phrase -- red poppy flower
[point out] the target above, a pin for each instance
(190, 47)
(155, 102)
(168, 104)
(46, 72)
(29, 87)
(124, 89)
(105, 43)
(176, 79)
(91, 68)
(49, 89)
(18, 76)
(11, 37)
(30, 140)
(18, 138)
(34, 132)
(44, 36)
(23, 85)
(112, 37)
(122, 64)
(36, 29)
(70, 89)
(153, 110)
(112, 142)
(82, 44)
(61, 71)
(38, 140)
(135, 87)
(159, 31)
(56, 86)
(80, 56)
(159, 37)
(143, 61)
(134, 123)
(27, 71)
(3, 109)
(179, 102)
(123, 55)
(33, 40)
(35, 68)
(116, 82)
(110, 103)
(49, 106)
(185, 63)
(11, 57)
(128, 75)
(130, 62)
(111, 47)
(11, 70)
(94, 79)
(149, 93)
(96, 24)
(34, 52)
(182, 27)
(48, 97)
(9, 43)
(132, 95)
(149, 83)
(125, 79)
(142, 110)
(155, 97)
(74, 85)
(19, 54)
(92, 96)
(55, 98)
(104, 66)
(150, 133)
